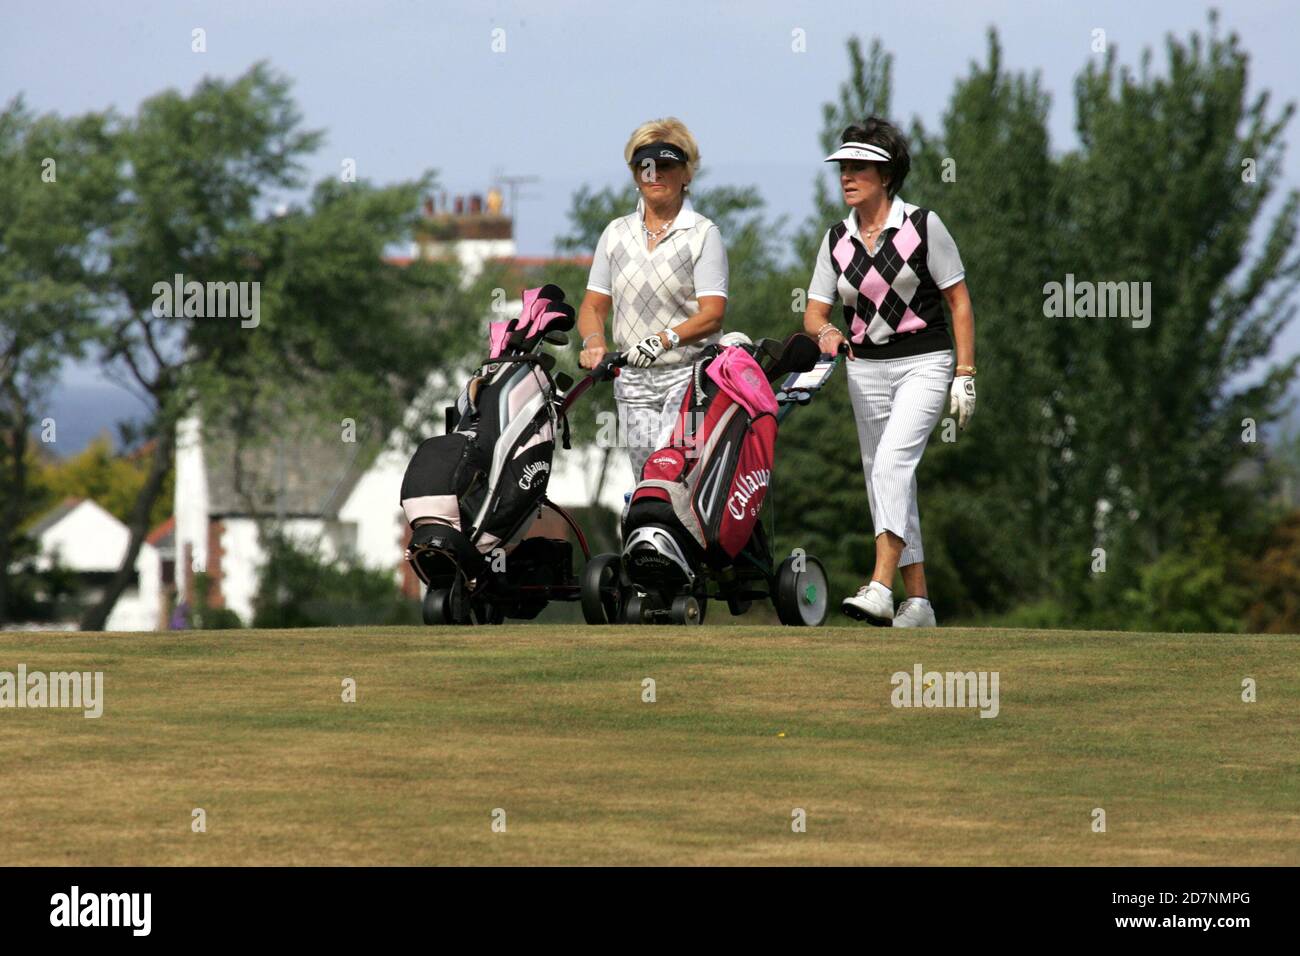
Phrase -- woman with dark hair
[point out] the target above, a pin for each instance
(892, 266)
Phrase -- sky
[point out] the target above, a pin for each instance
(404, 86)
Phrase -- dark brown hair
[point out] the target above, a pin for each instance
(882, 133)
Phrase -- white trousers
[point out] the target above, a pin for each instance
(896, 403)
(648, 400)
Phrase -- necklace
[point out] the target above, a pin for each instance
(656, 234)
(872, 230)
(868, 233)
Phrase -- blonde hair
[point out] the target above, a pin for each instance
(669, 130)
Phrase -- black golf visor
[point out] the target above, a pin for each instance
(658, 153)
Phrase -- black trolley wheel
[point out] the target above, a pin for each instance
(602, 590)
(802, 598)
(433, 609)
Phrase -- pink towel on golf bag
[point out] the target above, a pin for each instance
(741, 377)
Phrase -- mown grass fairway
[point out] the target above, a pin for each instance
(548, 723)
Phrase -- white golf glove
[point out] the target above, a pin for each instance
(961, 399)
(644, 353)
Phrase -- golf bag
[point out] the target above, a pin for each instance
(478, 487)
(699, 497)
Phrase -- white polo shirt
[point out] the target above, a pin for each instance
(657, 289)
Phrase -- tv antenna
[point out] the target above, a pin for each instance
(512, 184)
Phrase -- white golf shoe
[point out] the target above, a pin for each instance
(915, 612)
(874, 603)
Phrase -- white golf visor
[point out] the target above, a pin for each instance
(863, 152)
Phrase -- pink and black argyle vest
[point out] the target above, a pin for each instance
(892, 306)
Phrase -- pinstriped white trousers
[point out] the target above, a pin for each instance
(896, 403)
(648, 400)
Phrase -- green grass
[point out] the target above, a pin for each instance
(547, 723)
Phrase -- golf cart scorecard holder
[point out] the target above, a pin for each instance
(799, 387)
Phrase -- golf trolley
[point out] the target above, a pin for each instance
(692, 531)
(473, 495)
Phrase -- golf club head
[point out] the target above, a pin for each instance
(769, 351)
(799, 354)
(735, 338)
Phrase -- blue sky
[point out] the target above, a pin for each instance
(405, 85)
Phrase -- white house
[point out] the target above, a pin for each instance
(82, 537)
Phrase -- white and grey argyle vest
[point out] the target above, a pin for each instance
(655, 290)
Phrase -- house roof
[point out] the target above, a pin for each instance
(163, 537)
(307, 473)
(52, 517)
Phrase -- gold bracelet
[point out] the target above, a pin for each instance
(967, 368)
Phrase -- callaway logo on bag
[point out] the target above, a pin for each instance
(749, 486)
(532, 471)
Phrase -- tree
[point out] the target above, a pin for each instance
(334, 322)
(51, 199)
(1169, 188)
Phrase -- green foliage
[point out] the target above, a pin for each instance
(298, 588)
(205, 617)
(1191, 589)
(1275, 608)
(37, 593)
(52, 195)
(1157, 194)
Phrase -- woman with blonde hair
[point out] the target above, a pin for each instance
(662, 271)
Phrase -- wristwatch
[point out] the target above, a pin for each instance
(674, 339)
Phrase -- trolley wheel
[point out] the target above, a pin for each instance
(434, 606)
(602, 590)
(802, 598)
(686, 610)
(448, 605)
(634, 613)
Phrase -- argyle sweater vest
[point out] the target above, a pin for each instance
(892, 306)
(655, 290)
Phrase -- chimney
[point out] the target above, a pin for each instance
(460, 205)
(475, 204)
